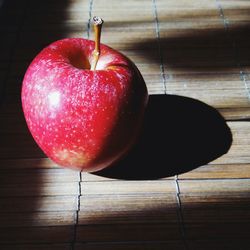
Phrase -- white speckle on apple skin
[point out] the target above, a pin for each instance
(54, 98)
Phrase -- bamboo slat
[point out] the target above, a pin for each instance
(228, 244)
(126, 232)
(127, 187)
(28, 163)
(219, 171)
(22, 189)
(36, 246)
(238, 186)
(239, 151)
(171, 245)
(62, 234)
(37, 219)
(128, 209)
(25, 176)
(38, 203)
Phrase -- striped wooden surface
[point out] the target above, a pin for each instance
(195, 49)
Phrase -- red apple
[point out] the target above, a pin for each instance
(80, 117)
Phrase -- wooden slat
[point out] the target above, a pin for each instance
(62, 234)
(123, 209)
(218, 171)
(24, 147)
(171, 245)
(35, 175)
(238, 186)
(228, 244)
(128, 187)
(210, 91)
(36, 247)
(38, 203)
(218, 230)
(29, 163)
(48, 189)
(239, 151)
(66, 19)
(36, 219)
(125, 12)
(236, 113)
(128, 232)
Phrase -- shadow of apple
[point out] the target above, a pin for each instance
(179, 134)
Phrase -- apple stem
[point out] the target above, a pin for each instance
(98, 22)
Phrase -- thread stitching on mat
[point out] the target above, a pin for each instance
(77, 211)
(90, 17)
(180, 215)
(157, 28)
(80, 173)
(246, 83)
(235, 49)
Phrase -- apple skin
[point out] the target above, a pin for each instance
(83, 119)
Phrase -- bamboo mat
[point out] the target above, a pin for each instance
(195, 58)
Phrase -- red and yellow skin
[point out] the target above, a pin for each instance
(81, 118)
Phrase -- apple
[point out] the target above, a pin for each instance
(83, 102)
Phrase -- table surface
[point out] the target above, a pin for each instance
(186, 185)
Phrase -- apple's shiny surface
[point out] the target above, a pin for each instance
(81, 118)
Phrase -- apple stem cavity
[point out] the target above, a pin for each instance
(98, 22)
